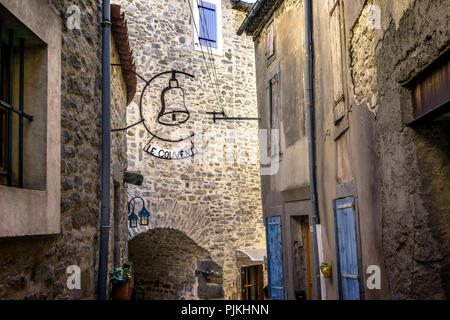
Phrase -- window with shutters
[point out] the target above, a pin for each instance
(208, 26)
(339, 97)
(270, 41)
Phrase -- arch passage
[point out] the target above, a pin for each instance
(169, 265)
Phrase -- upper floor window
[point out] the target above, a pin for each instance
(270, 41)
(208, 26)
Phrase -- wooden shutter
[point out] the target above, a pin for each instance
(270, 41)
(208, 24)
(431, 91)
(275, 258)
(260, 283)
(275, 103)
(336, 60)
(347, 251)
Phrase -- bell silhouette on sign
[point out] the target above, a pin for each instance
(173, 105)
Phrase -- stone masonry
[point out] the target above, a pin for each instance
(35, 267)
(216, 203)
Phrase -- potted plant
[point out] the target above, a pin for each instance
(326, 270)
(129, 265)
(120, 279)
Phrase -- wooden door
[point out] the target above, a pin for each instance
(347, 252)
(252, 283)
(307, 234)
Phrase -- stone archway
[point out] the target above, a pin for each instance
(169, 266)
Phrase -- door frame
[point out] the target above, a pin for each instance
(358, 247)
(259, 281)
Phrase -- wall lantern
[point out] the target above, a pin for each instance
(133, 219)
(144, 215)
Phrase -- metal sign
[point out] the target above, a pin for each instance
(173, 113)
(154, 150)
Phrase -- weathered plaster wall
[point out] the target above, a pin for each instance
(289, 66)
(398, 174)
(215, 203)
(286, 193)
(346, 160)
(414, 160)
(35, 267)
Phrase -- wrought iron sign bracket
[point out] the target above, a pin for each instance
(224, 117)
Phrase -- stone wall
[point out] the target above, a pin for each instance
(214, 202)
(119, 163)
(167, 264)
(35, 267)
(363, 67)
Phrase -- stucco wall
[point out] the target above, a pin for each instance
(398, 174)
(414, 162)
(290, 184)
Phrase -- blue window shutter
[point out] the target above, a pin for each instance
(275, 258)
(347, 252)
(208, 24)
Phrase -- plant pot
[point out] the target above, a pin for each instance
(120, 292)
(326, 271)
(131, 287)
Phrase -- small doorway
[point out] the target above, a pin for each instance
(301, 253)
(252, 283)
(275, 258)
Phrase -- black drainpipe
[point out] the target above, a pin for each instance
(311, 134)
(106, 150)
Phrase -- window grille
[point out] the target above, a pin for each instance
(9, 142)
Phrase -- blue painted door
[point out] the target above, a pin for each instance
(275, 258)
(347, 252)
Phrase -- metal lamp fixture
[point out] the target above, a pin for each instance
(144, 217)
(144, 214)
(133, 220)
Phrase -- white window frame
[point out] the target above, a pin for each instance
(196, 26)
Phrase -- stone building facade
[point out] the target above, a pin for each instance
(33, 265)
(213, 201)
(376, 158)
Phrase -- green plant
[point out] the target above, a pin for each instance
(119, 276)
(324, 265)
